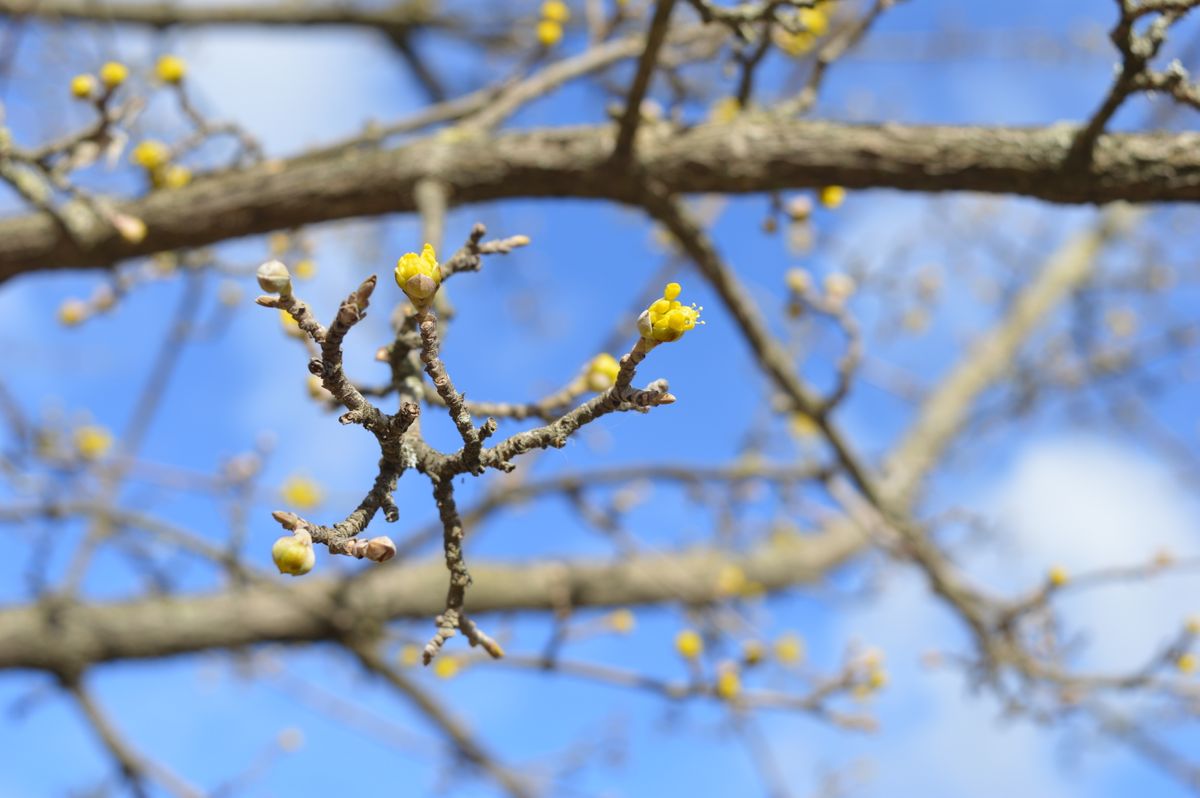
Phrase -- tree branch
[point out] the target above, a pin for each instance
(575, 162)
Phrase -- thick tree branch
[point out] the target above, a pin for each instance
(741, 157)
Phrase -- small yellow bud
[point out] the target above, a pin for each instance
(621, 621)
(293, 554)
(170, 69)
(789, 648)
(446, 667)
(301, 493)
(150, 154)
(1187, 663)
(795, 44)
(1192, 625)
(602, 372)
(410, 655)
(113, 74)
(83, 86)
(273, 277)
(175, 176)
(419, 275)
(549, 33)
(729, 683)
(305, 269)
(92, 442)
(555, 11)
(832, 196)
(689, 644)
(815, 20)
(72, 312)
(1057, 576)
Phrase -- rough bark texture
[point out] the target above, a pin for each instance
(752, 155)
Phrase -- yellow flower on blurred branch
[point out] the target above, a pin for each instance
(301, 493)
(92, 442)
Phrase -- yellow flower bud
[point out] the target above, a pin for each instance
(150, 154)
(555, 11)
(689, 644)
(753, 652)
(789, 648)
(175, 176)
(1058, 576)
(293, 554)
(305, 269)
(832, 196)
(92, 442)
(549, 33)
(113, 74)
(729, 683)
(1187, 663)
(83, 86)
(170, 69)
(446, 667)
(602, 372)
(301, 493)
(419, 276)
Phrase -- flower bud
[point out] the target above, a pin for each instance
(274, 277)
(293, 554)
(380, 549)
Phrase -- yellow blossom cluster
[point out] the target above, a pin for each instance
(549, 28)
(155, 157)
(667, 319)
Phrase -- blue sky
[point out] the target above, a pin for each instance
(1061, 492)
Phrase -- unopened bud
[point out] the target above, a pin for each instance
(273, 276)
(380, 549)
(130, 228)
(293, 554)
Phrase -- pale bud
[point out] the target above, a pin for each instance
(380, 549)
(274, 277)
